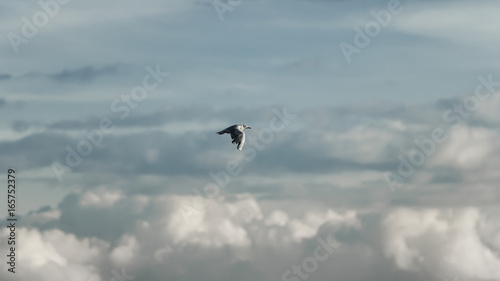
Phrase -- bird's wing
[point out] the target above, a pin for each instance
(228, 130)
(240, 140)
(225, 131)
(235, 134)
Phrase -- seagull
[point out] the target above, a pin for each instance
(237, 134)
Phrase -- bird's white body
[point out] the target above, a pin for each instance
(237, 134)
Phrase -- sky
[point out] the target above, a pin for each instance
(373, 152)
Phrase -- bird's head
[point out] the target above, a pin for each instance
(246, 127)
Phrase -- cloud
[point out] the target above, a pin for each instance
(467, 148)
(101, 198)
(310, 63)
(231, 230)
(20, 126)
(162, 234)
(5, 77)
(447, 242)
(125, 251)
(461, 26)
(321, 149)
(26, 154)
(83, 74)
(61, 255)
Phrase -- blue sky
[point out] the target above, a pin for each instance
(124, 204)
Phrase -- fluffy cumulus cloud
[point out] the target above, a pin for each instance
(236, 231)
(233, 235)
(468, 148)
(450, 242)
(56, 255)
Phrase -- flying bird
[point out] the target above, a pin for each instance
(237, 134)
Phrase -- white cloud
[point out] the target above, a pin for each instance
(56, 255)
(101, 197)
(214, 226)
(488, 110)
(440, 241)
(470, 22)
(126, 250)
(277, 217)
(45, 216)
(234, 229)
(466, 148)
(307, 227)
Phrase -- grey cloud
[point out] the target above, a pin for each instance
(190, 153)
(168, 115)
(193, 154)
(106, 224)
(180, 155)
(310, 63)
(74, 124)
(5, 77)
(83, 74)
(33, 151)
(20, 126)
(444, 104)
(446, 175)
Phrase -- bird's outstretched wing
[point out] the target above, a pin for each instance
(225, 131)
(228, 130)
(238, 138)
